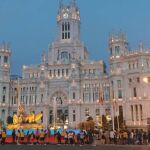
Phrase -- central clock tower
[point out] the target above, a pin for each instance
(68, 21)
(68, 46)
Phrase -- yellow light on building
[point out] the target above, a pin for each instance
(145, 79)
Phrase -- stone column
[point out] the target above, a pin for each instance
(46, 116)
(134, 114)
(139, 114)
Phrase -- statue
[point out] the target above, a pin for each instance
(15, 119)
(26, 121)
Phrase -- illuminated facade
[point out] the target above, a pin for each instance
(66, 84)
(129, 82)
(69, 86)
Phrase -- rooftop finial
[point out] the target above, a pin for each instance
(74, 2)
(141, 46)
(60, 4)
(43, 57)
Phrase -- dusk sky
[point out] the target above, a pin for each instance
(30, 25)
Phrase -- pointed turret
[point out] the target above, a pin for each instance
(43, 59)
(60, 4)
(74, 3)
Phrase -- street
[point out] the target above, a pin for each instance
(71, 147)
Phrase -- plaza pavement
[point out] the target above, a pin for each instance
(71, 147)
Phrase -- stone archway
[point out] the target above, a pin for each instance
(59, 110)
(61, 98)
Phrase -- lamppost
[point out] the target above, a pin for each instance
(115, 113)
(80, 102)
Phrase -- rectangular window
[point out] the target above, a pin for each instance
(74, 95)
(134, 92)
(129, 66)
(130, 80)
(68, 26)
(63, 27)
(15, 100)
(117, 49)
(12, 100)
(119, 93)
(41, 98)
(87, 112)
(4, 90)
(141, 112)
(26, 99)
(137, 115)
(138, 79)
(50, 116)
(62, 72)
(58, 72)
(132, 117)
(66, 72)
(5, 59)
(74, 117)
(35, 98)
(119, 83)
(97, 112)
(68, 35)
(63, 35)
(4, 98)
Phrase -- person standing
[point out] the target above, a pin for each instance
(22, 137)
(0, 136)
(13, 136)
(18, 137)
(66, 137)
(3, 136)
(148, 137)
(37, 135)
(82, 137)
(28, 137)
(42, 137)
(58, 137)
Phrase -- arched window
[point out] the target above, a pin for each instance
(64, 55)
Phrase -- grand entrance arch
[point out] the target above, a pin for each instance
(61, 98)
(58, 114)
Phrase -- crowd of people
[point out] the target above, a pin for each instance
(44, 137)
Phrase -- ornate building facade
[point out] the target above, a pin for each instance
(66, 84)
(129, 80)
(68, 87)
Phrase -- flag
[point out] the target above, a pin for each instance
(115, 108)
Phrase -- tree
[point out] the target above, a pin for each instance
(104, 122)
(88, 124)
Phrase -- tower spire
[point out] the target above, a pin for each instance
(60, 4)
(74, 2)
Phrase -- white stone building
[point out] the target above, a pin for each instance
(129, 82)
(68, 85)
(66, 80)
(4, 80)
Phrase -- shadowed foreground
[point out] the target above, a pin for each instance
(70, 147)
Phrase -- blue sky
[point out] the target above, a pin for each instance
(30, 25)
